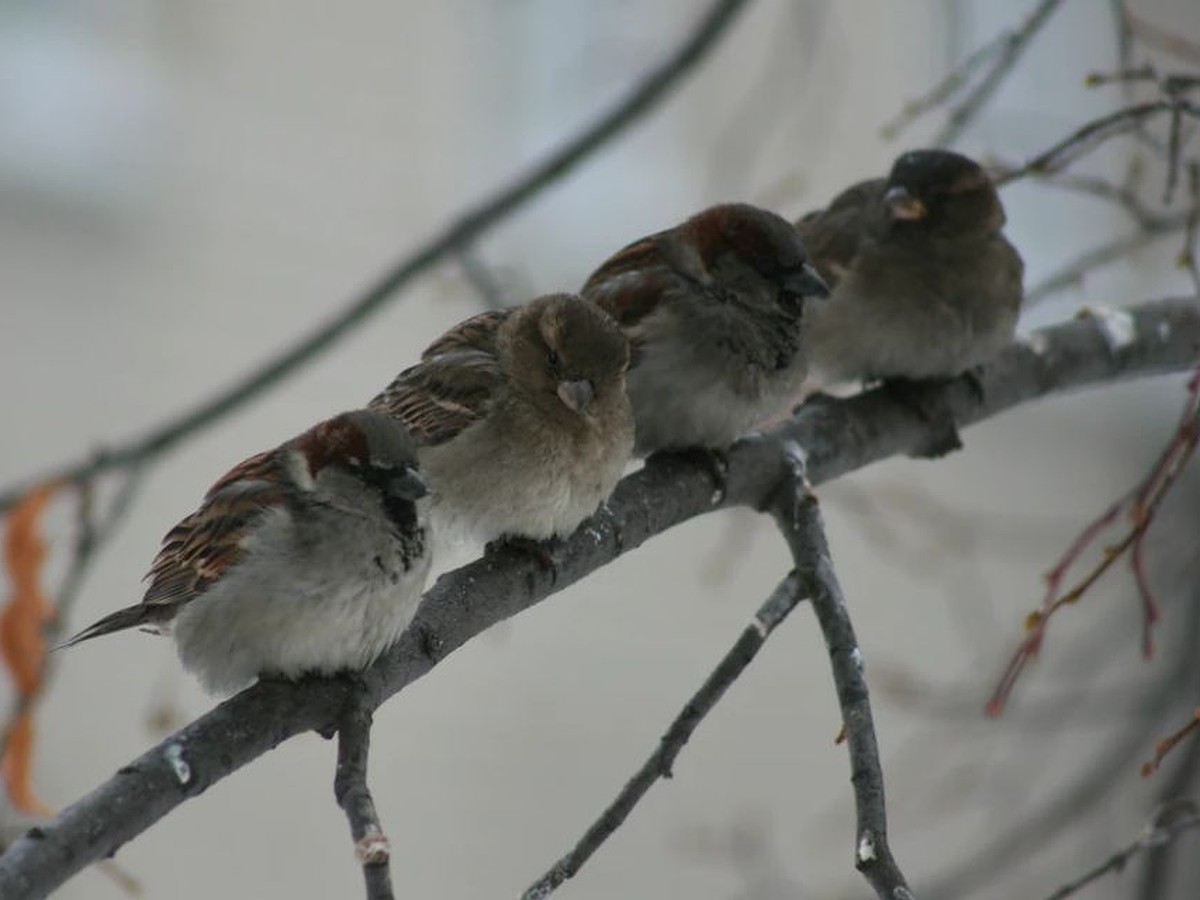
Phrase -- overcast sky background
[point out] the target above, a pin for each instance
(185, 188)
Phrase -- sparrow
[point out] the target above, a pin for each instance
(522, 423)
(925, 285)
(712, 309)
(305, 559)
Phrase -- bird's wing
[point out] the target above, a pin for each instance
(475, 333)
(1014, 273)
(443, 394)
(202, 547)
(629, 284)
(831, 236)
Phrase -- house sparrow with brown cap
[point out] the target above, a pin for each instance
(925, 285)
(305, 559)
(713, 310)
(521, 418)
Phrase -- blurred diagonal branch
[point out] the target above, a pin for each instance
(836, 436)
(641, 99)
(1162, 830)
(997, 58)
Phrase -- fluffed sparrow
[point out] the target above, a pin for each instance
(308, 558)
(521, 418)
(712, 309)
(925, 285)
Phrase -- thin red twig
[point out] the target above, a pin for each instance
(1140, 505)
(1169, 743)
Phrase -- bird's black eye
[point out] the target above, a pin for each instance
(552, 359)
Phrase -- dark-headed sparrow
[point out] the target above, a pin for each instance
(712, 309)
(308, 558)
(925, 285)
(521, 418)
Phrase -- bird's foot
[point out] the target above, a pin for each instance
(919, 396)
(542, 552)
(973, 378)
(714, 462)
(814, 400)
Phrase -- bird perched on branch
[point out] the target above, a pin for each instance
(712, 309)
(925, 285)
(308, 558)
(521, 418)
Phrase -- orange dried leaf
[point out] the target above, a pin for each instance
(22, 646)
(17, 767)
(21, 643)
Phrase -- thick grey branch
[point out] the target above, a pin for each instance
(642, 97)
(799, 518)
(836, 437)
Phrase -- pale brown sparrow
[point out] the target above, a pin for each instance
(521, 418)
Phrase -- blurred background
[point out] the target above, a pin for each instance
(186, 188)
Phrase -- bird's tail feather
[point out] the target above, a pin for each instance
(129, 617)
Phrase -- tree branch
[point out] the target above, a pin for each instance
(774, 610)
(837, 436)
(354, 797)
(642, 97)
(1000, 55)
(1157, 834)
(799, 519)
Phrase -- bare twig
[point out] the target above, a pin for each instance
(941, 93)
(489, 288)
(91, 536)
(1171, 84)
(1074, 272)
(837, 436)
(640, 99)
(1049, 165)
(1156, 872)
(1140, 504)
(1170, 41)
(1000, 55)
(1191, 231)
(774, 610)
(799, 519)
(1014, 45)
(1125, 46)
(354, 797)
(1012, 845)
(1158, 832)
(1089, 136)
(1124, 196)
(1170, 742)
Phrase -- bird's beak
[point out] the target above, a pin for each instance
(904, 205)
(409, 485)
(806, 283)
(576, 395)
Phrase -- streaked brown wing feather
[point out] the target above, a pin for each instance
(629, 283)
(439, 397)
(475, 333)
(831, 235)
(202, 547)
